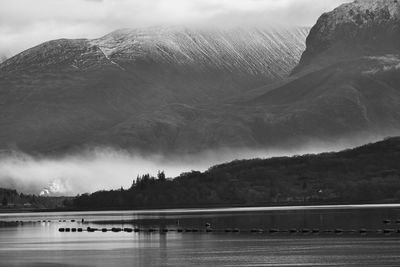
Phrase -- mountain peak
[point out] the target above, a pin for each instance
(365, 11)
(360, 28)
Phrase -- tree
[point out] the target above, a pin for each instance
(161, 175)
(4, 202)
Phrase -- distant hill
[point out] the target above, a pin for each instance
(367, 174)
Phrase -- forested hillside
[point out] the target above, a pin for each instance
(366, 174)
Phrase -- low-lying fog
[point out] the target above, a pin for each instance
(106, 168)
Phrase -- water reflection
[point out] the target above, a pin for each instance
(34, 243)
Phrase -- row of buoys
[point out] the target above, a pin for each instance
(70, 230)
(234, 230)
(387, 221)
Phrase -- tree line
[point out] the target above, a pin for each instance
(367, 174)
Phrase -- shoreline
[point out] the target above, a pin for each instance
(218, 208)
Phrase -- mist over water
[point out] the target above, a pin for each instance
(108, 168)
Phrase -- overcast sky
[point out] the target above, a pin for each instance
(25, 23)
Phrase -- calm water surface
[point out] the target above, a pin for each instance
(34, 243)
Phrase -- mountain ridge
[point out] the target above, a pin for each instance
(122, 89)
(191, 46)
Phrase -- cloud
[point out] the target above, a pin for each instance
(25, 23)
(106, 168)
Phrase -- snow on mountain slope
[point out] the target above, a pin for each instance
(271, 52)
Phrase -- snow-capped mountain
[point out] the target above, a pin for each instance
(137, 88)
(179, 90)
(270, 53)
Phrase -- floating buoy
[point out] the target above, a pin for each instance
(305, 230)
(388, 231)
(254, 230)
(67, 229)
(104, 230)
(136, 230)
(128, 230)
(387, 221)
(61, 230)
(236, 230)
(363, 231)
(116, 230)
(72, 220)
(208, 225)
(273, 231)
(209, 230)
(292, 230)
(80, 229)
(338, 231)
(179, 230)
(73, 229)
(228, 230)
(315, 230)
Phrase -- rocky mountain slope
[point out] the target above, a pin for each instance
(136, 88)
(360, 28)
(347, 83)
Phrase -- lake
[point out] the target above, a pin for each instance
(29, 242)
